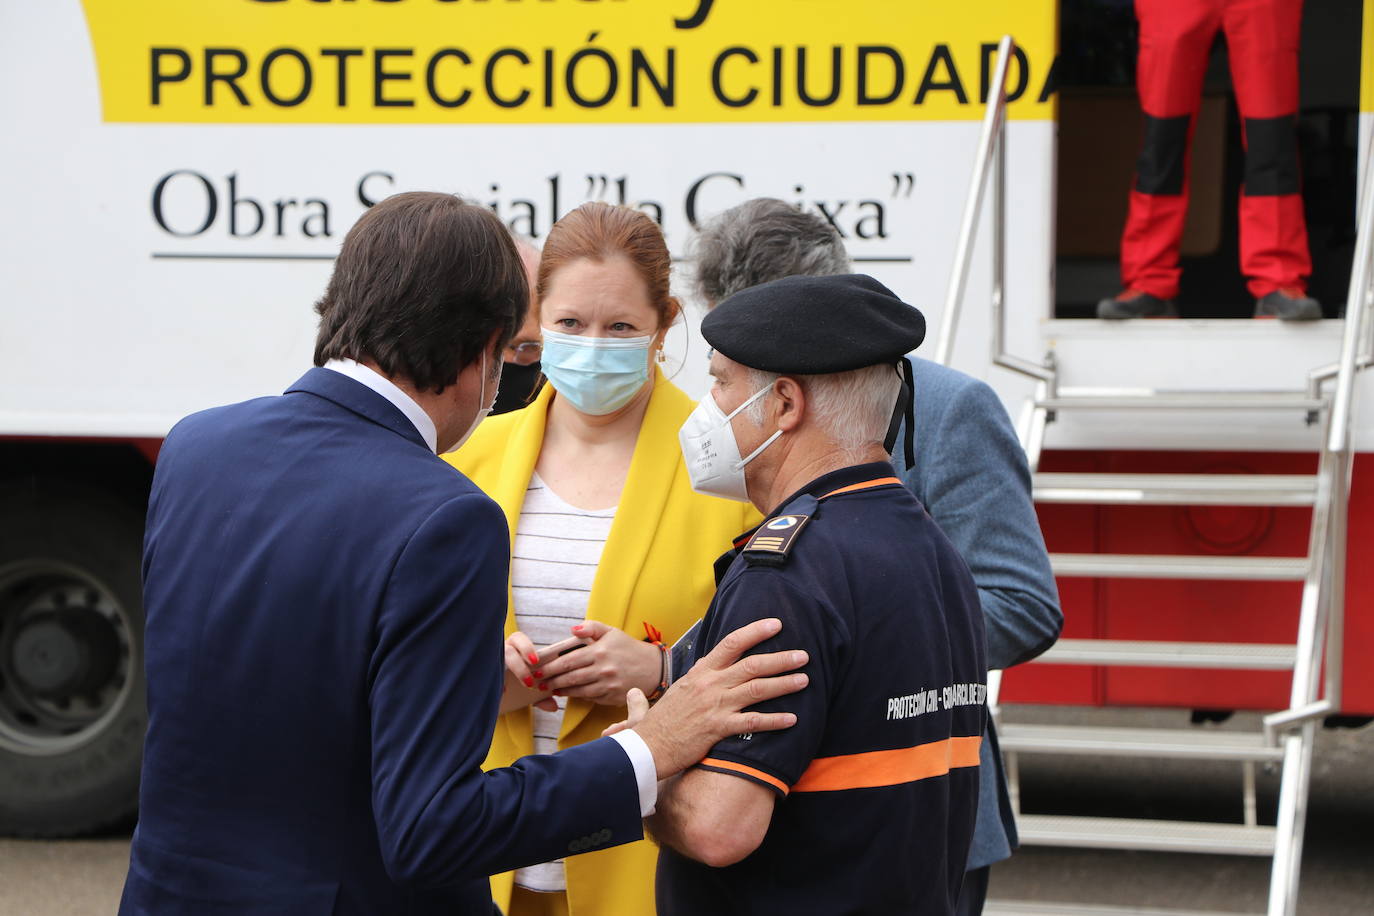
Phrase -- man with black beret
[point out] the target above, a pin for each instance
(868, 804)
(969, 473)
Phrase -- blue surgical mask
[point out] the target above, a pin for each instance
(598, 375)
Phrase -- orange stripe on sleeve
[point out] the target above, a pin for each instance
(866, 485)
(747, 771)
(889, 768)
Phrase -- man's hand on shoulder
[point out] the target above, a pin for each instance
(708, 703)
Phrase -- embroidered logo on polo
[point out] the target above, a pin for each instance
(770, 543)
(774, 539)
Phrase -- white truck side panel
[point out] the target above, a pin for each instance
(108, 328)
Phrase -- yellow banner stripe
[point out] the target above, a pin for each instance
(563, 61)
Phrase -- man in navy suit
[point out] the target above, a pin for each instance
(325, 600)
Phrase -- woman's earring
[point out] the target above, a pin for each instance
(661, 357)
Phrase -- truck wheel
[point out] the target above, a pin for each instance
(72, 697)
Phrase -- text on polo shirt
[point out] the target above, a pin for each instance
(934, 700)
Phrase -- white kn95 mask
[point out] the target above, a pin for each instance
(708, 443)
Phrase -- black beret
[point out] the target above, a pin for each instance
(814, 325)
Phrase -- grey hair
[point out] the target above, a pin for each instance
(852, 408)
(761, 240)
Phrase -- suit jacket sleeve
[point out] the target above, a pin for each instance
(978, 490)
(435, 683)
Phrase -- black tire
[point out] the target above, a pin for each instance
(72, 694)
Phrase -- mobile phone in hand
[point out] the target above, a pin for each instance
(562, 647)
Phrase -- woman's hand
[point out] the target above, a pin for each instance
(524, 669)
(611, 663)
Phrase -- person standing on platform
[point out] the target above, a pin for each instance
(1262, 42)
(969, 472)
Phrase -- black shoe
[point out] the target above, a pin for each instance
(1136, 303)
(1288, 305)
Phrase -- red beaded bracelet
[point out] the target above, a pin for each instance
(656, 637)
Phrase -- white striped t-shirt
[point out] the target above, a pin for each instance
(557, 548)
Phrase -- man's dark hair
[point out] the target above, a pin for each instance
(422, 281)
(762, 240)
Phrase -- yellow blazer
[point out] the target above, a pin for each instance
(656, 567)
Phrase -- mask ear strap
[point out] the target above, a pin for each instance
(766, 442)
(758, 451)
(751, 399)
(904, 410)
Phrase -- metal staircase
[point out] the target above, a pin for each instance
(1314, 656)
(1287, 739)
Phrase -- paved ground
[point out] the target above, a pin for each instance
(68, 878)
(84, 877)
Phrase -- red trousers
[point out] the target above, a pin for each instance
(1262, 41)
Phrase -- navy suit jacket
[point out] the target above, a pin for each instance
(325, 600)
(972, 477)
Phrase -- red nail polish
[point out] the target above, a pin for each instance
(538, 674)
(529, 682)
(543, 685)
(578, 627)
(558, 693)
(534, 659)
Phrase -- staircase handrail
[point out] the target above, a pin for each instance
(990, 161)
(1355, 344)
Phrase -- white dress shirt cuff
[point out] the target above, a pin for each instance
(646, 772)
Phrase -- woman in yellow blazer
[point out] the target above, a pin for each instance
(603, 433)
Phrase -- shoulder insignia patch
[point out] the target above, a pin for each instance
(773, 539)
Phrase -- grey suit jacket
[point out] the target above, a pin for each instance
(972, 477)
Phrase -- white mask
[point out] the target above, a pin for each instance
(708, 443)
(481, 399)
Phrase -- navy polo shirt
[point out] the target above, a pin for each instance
(877, 783)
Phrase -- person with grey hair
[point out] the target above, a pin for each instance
(969, 472)
(869, 806)
(761, 240)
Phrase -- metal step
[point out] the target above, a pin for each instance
(1194, 744)
(1186, 400)
(1026, 908)
(1177, 489)
(1153, 566)
(1146, 654)
(1135, 833)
